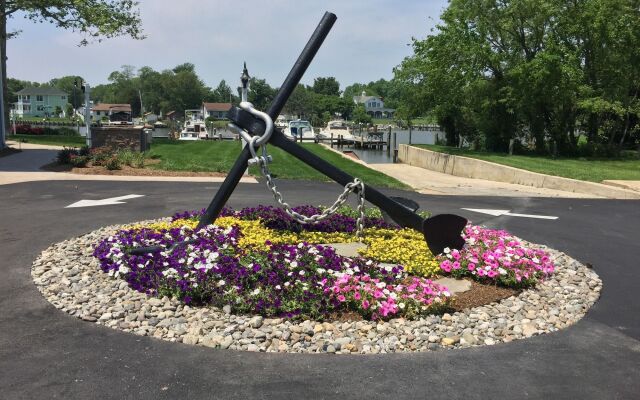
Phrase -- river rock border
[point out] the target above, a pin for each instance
(69, 277)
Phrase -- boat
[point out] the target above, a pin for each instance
(281, 122)
(337, 129)
(194, 127)
(299, 129)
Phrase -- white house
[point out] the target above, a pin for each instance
(216, 110)
(374, 106)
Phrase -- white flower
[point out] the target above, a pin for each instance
(321, 270)
(301, 272)
(278, 287)
(446, 293)
(123, 269)
(255, 292)
(502, 271)
(286, 284)
(221, 282)
(300, 245)
(401, 305)
(447, 250)
(294, 264)
(380, 285)
(170, 272)
(369, 262)
(388, 268)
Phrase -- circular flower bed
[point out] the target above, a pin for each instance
(257, 280)
(258, 260)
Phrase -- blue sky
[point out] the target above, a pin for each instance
(369, 38)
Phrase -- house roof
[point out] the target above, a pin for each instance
(364, 99)
(217, 106)
(109, 106)
(43, 90)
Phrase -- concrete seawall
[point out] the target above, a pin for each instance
(472, 168)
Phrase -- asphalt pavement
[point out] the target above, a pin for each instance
(45, 353)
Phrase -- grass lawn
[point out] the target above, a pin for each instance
(56, 140)
(586, 169)
(219, 157)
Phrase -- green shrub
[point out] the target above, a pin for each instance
(49, 131)
(64, 155)
(113, 163)
(138, 160)
(84, 151)
(65, 131)
(78, 161)
(100, 155)
(126, 157)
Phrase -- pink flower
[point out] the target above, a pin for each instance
(342, 298)
(356, 295)
(365, 304)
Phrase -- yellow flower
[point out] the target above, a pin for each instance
(405, 246)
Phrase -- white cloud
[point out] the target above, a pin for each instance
(367, 41)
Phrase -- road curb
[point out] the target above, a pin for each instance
(479, 169)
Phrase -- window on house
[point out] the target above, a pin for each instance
(39, 97)
(63, 97)
(40, 108)
(27, 108)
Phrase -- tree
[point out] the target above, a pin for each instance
(360, 115)
(541, 71)
(328, 86)
(95, 19)
(260, 93)
(222, 93)
(68, 84)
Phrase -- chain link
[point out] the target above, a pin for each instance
(355, 186)
(265, 159)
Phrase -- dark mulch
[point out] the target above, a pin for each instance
(481, 294)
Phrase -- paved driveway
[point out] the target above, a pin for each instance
(45, 353)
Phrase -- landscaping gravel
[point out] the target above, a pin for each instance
(69, 277)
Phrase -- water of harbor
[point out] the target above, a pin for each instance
(382, 156)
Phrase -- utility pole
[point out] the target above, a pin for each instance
(87, 112)
(141, 108)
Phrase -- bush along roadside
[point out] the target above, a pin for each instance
(109, 158)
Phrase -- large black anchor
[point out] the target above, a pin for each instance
(439, 231)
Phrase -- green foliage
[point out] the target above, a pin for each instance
(65, 131)
(130, 158)
(126, 157)
(594, 169)
(113, 163)
(79, 161)
(328, 86)
(360, 115)
(64, 155)
(542, 72)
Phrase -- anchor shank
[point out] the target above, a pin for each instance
(400, 214)
(289, 84)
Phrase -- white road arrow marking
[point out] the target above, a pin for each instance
(497, 213)
(103, 202)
